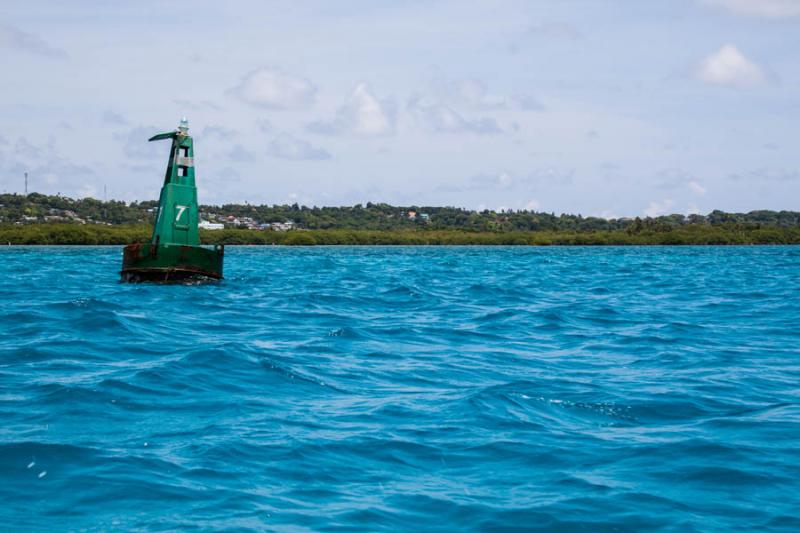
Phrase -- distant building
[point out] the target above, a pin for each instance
(283, 226)
(424, 216)
(412, 215)
(205, 224)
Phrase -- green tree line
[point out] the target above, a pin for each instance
(730, 233)
(34, 208)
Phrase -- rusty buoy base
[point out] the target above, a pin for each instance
(171, 263)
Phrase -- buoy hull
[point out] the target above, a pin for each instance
(171, 262)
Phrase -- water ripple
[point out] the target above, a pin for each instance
(372, 388)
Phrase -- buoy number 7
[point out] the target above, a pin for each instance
(181, 209)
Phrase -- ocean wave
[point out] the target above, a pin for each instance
(598, 389)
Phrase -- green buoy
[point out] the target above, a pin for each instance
(174, 252)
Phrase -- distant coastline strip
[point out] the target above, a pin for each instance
(75, 234)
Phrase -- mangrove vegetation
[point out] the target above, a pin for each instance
(697, 234)
(41, 219)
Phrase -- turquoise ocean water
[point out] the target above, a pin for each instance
(400, 388)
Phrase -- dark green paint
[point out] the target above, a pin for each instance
(174, 250)
(176, 222)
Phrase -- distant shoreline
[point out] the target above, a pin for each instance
(77, 234)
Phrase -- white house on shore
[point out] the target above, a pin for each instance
(283, 226)
(205, 224)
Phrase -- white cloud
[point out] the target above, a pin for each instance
(474, 94)
(549, 176)
(697, 188)
(16, 39)
(479, 182)
(443, 119)
(285, 146)
(655, 208)
(503, 180)
(728, 66)
(87, 191)
(367, 115)
(441, 111)
(760, 8)
(677, 178)
(275, 89)
(362, 114)
(532, 205)
(298, 198)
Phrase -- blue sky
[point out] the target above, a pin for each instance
(610, 108)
